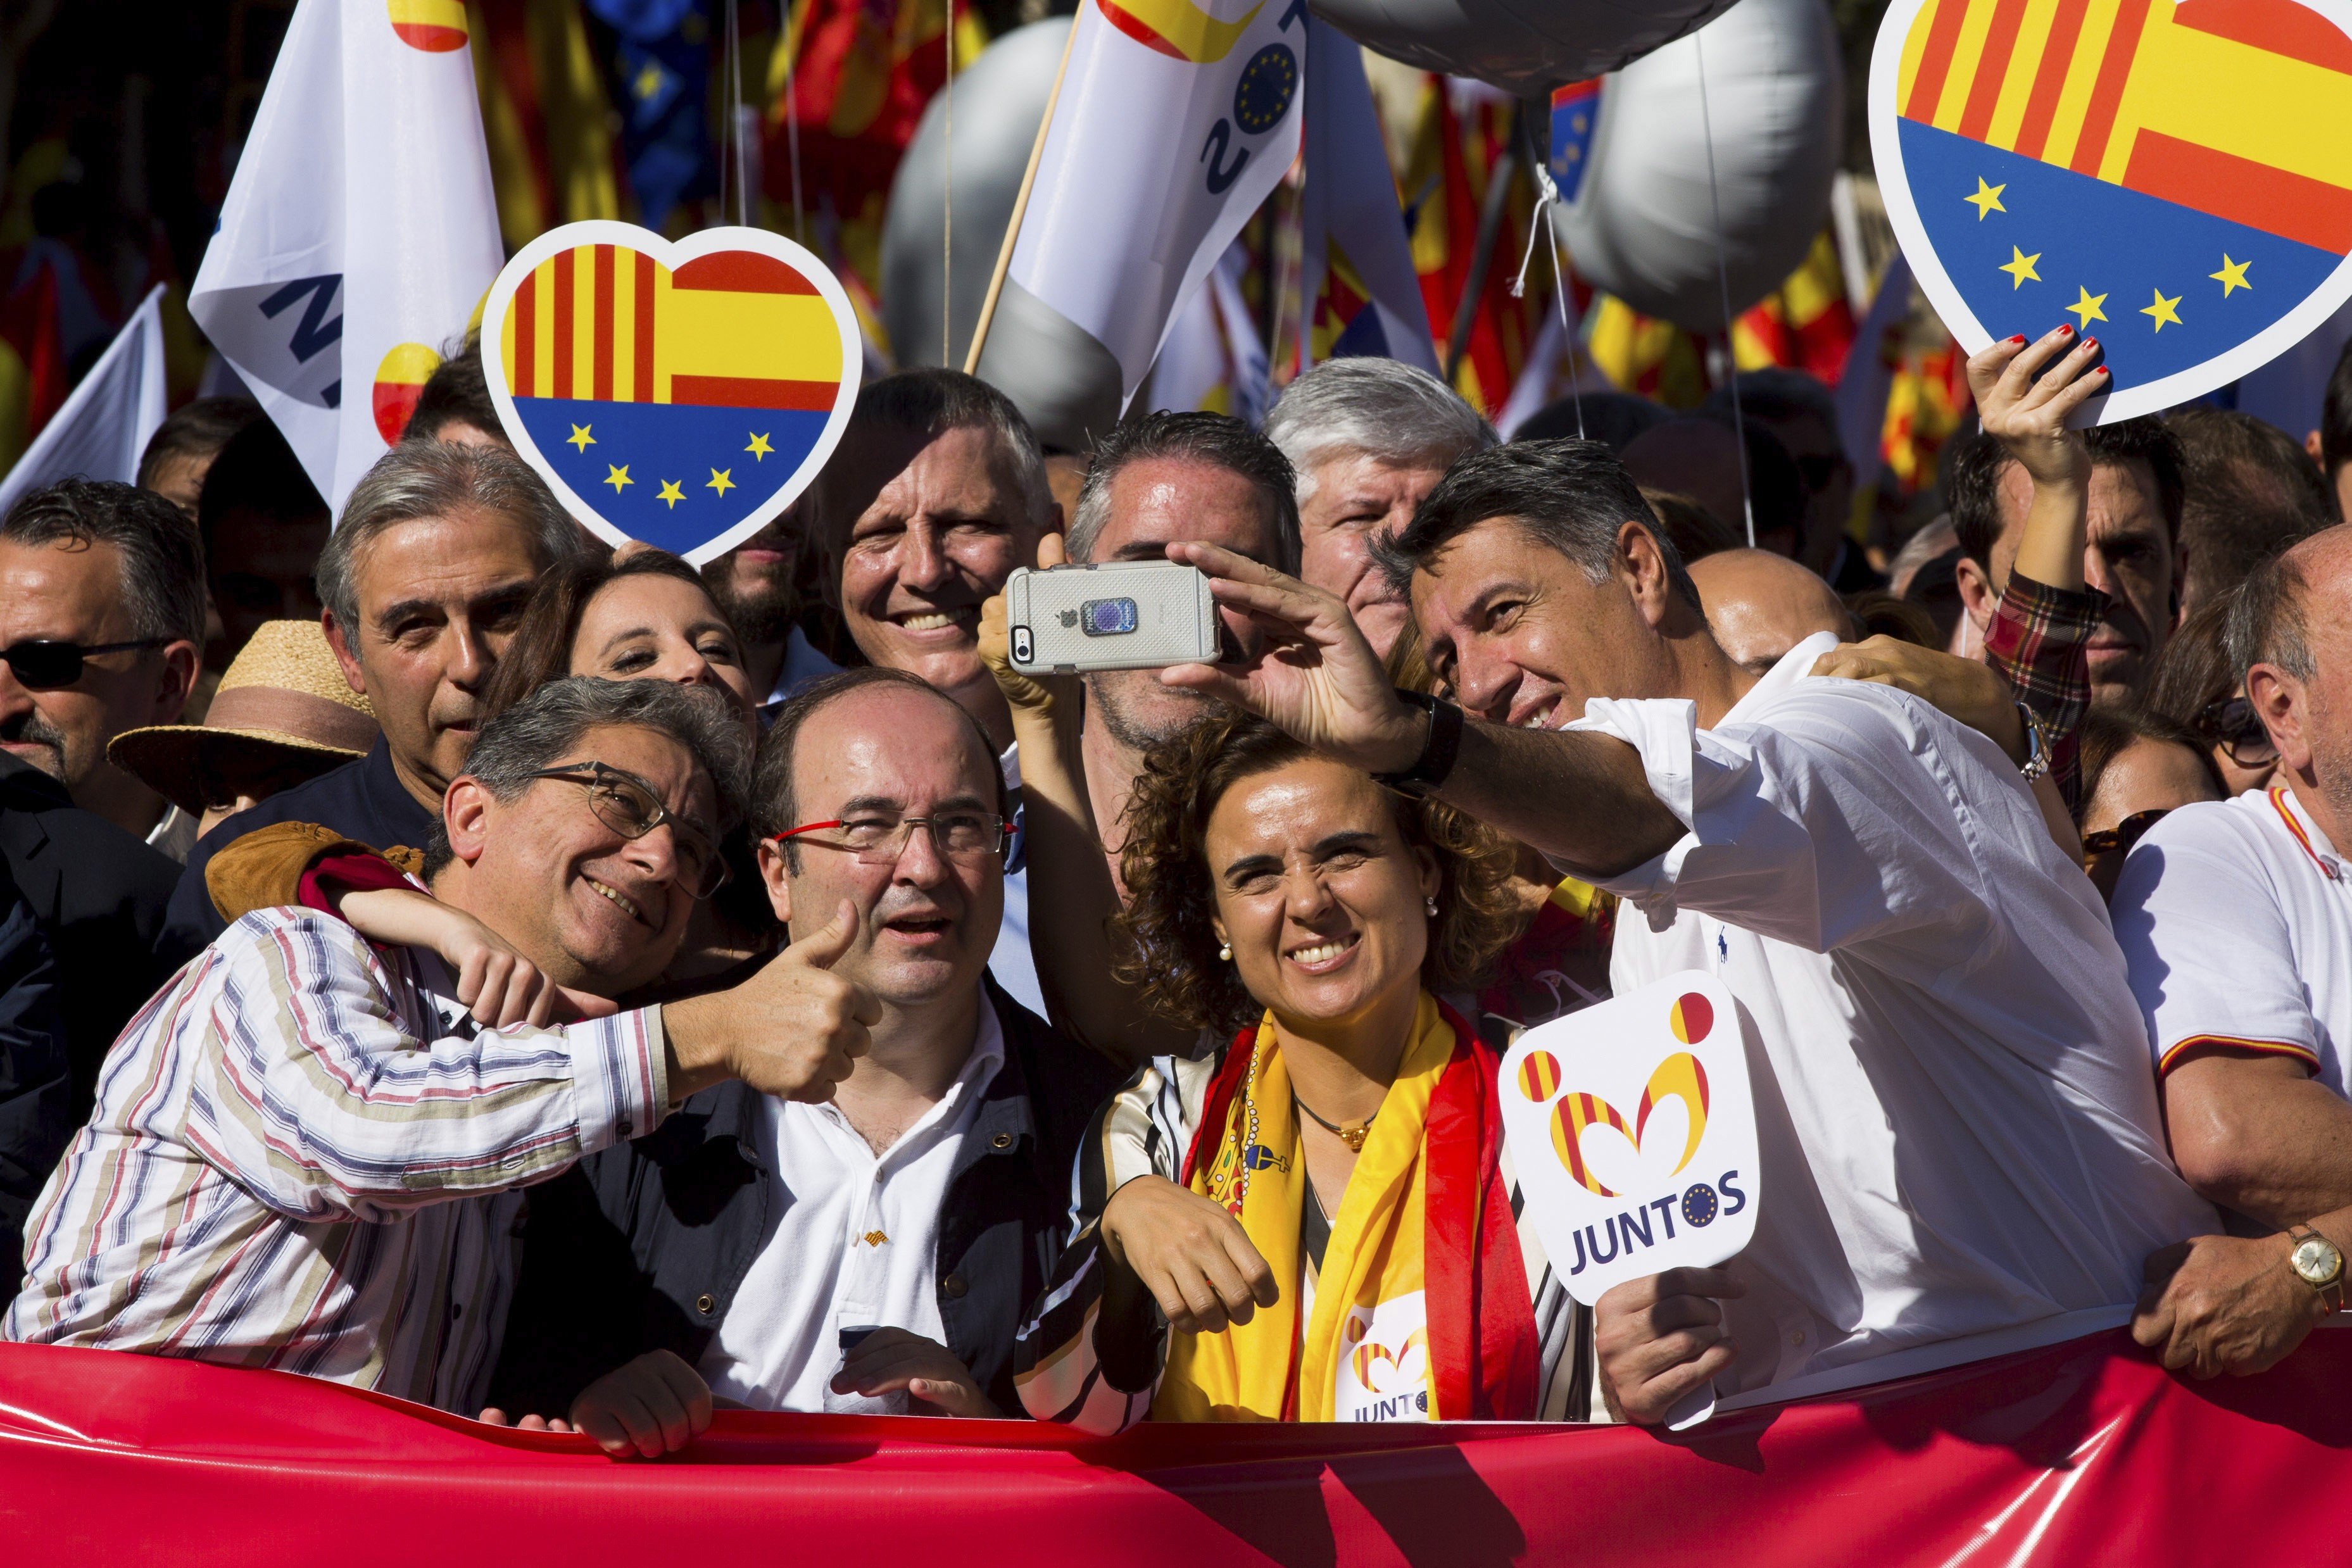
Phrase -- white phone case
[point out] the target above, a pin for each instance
(1112, 615)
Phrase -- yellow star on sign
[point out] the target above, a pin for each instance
(2019, 267)
(719, 480)
(649, 80)
(760, 448)
(2233, 275)
(2088, 307)
(671, 492)
(1987, 199)
(617, 475)
(579, 440)
(2162, 310)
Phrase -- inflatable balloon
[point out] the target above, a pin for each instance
(1526, 50)
(1643, 222)
(1000, 99)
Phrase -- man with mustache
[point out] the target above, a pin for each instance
(305, 1156)
(878, 1251)
(424, 579)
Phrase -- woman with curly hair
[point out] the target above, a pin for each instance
(1318, 1208)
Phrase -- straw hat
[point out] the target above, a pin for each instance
(283, 708)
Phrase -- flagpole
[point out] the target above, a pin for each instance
(1019, 207)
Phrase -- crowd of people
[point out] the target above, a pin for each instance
(444, 954)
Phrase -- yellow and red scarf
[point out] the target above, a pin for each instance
(1424, 1238)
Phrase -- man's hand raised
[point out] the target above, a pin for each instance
(794, 1030)
(1314, 674)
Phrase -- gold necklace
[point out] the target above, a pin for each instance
(1353, 1137)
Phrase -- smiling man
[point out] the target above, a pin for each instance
(1956, 1167)
(883, 1247)
(2132, 558)
(424, 580)
(305, 1156)
(1368, 437)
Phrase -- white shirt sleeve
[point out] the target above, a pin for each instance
(1839, 821)
(2207, 941)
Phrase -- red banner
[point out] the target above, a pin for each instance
(2085, 1453)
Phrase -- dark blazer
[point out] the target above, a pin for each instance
(97, 895)
(643, 1246)
(34, 1127)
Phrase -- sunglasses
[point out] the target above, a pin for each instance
(632, 808)
(2119, 838)
(43, 666)
(2232, 725)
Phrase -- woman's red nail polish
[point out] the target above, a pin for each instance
(2090, 343)
(2018, 338)
(2065, 332)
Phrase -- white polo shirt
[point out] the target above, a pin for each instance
(1961, 1149)
(853, 1241)
(2236, 919)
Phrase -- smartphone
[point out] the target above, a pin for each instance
(1110, 615)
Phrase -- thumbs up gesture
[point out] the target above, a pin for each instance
(794, 1030)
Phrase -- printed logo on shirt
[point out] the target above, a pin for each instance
(1384, 1372)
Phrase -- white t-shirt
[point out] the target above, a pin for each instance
(2236, 920)
(852, 1243)
(1962, 1153)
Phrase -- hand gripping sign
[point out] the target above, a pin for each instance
(681, 394)
(2171, 177)
(1632, 1130)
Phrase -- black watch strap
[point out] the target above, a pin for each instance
(1437, 752)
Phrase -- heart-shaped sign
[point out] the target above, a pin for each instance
(678, 392)
(2173, 177)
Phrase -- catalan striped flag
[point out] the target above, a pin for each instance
(2173, 178)
(1569, 1119)
(677, 400)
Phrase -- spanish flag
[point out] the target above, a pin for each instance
(2171, 178)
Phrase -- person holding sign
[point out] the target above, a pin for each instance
(1959, 1135)
(1314, 1222)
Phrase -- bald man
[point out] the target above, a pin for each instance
(1761, 605)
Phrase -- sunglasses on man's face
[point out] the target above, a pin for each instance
(2232, 725)
(43, 666)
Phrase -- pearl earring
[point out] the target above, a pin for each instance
(1430, 905)
(1226, 952)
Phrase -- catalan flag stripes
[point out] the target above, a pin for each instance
(1680, 1076)
(1569, 1119)
(1539, 1076)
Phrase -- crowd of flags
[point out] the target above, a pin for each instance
(1347, 237)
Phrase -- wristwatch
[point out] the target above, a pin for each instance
(2037, 746)
(1437, 751)
(2319, 1263)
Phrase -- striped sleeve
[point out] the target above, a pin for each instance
(1091, 1355)
(321, 1100)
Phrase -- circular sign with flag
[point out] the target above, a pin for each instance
(2171, 177)
(680, 393)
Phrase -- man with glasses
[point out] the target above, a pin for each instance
(306, 1156)
(101, 629)
(877, 1251)
(2235, 917)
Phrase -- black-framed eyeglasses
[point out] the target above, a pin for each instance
(879, 839)
(632, 808)
(2231, 724)
(2119, 838)
(44, 666)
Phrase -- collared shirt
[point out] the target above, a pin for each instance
(802, 666)
(298, 1161)
(853, 1244)
(1011, 960)
(364, 800)
(2039, 642)
(1962, 1150)
(2236, 919)
(174, 834)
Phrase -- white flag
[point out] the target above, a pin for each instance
(359, 232)
(1363, 296)
(1213, 358)
(1175, 122)
(105, 424)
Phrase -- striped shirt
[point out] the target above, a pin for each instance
(302, 1157)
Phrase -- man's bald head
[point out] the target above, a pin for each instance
(2290, 636)
(1761, 604)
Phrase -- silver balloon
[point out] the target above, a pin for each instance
(1643, 224)
(1526, 48)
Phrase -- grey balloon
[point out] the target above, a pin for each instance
(1528, 47)
(1643, 224)
(999, 103)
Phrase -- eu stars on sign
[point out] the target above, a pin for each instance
(682, 394)
(2171, 178)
